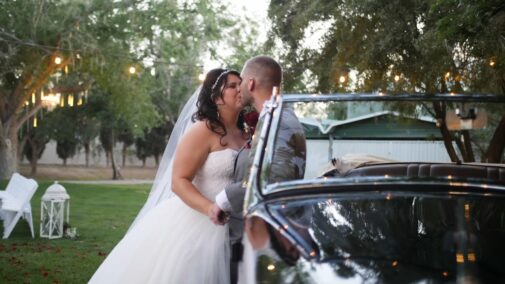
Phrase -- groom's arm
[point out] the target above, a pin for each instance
(232, 198)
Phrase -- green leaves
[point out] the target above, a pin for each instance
(420, 41)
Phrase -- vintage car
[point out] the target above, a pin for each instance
(397, 188)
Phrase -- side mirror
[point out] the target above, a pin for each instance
(473, 118)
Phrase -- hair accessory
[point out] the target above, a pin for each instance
(225, 72)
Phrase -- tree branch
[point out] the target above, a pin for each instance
(24, 90)
(446, 135)
(71, 90)
(29, 114)
(470, 157)
(497, 144)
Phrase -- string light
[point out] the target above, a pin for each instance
(132, 70)
(35, 122)
(492, 62)
(342, 79)
(397, 78)
(447, 75)
(71, 100)
(33, 98)
(57, 60)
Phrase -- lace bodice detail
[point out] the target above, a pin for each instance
(216, 173)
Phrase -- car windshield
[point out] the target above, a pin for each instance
(342, 136)
(437, 233)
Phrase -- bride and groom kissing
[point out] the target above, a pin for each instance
(180, 235)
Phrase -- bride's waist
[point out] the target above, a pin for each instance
(211, 188)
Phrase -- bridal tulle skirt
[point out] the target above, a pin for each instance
(172, 244)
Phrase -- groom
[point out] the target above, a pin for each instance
(259, 75)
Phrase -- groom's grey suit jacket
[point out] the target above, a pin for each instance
(236, 193)
(288, 164)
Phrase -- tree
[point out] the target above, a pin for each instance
(396, 46)
(97, 40)
(126, 137)
(65, 149)
(33, 148)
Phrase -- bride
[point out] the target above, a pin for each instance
(173, 240)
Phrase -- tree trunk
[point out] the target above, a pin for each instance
(86, 153)
(34, 159)
(7, 161)
(116, 174)
(21, 146)
(65, 161)
(469, 155)
(496, 145)
(157, 160)
(446, 135)
(124, 155)
(144, 162)
(8, 152)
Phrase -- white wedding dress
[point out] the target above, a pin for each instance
(173, 243)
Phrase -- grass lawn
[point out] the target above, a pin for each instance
(101, 214)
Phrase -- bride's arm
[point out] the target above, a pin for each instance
(190, 155)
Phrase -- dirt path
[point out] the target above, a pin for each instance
(59, 172)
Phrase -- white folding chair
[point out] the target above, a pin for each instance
(16, 203)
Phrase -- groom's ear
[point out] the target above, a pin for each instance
(251, 84)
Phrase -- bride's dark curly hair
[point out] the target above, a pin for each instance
(206, 105)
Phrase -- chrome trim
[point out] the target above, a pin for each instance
(313, 184)
(482, 98)
(254, 181)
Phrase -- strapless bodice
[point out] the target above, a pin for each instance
(216, 173)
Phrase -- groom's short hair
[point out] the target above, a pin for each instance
(266, 70)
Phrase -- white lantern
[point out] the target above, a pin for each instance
(52, 211)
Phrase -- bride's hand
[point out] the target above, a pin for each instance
(215, 213)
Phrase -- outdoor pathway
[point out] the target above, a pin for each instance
(109, 181)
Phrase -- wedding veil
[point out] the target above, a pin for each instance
(162, 184)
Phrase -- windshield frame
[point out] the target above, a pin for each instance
(258, 179)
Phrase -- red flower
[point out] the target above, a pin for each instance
(251, 119)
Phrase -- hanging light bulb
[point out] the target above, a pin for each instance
(57, 60)
(342, 79)
(66, 69)
(79, 102)
(447, 75)
(35, 122)
(33, 98)
(71, 100)
(397, 78)
(62, 101)
(132, 70)
(492, 62)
